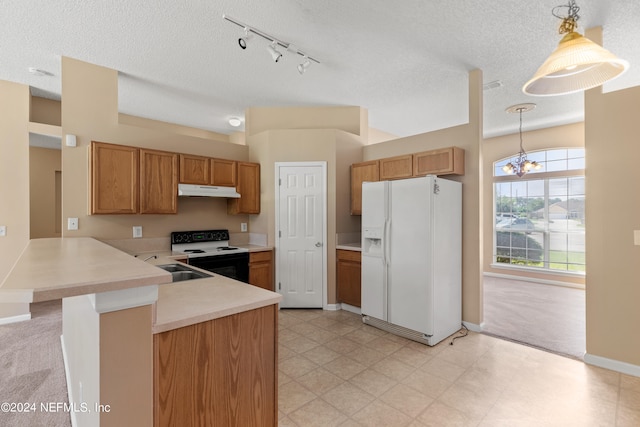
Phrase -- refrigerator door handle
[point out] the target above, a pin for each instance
(385, 242)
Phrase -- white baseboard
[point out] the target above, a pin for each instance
(14, 319)
(350, 308)
(614, 365)
(332, 307)
(535, 280)
(74, 421)
(473, 327)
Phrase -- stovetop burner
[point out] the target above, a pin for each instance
(194, 251)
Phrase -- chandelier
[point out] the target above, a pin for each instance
(521, 165)
(576, 64)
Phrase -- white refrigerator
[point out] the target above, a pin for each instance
(412, 257)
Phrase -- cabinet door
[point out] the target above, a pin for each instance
(114, 179)
(361, 172)
(158, 182)
(446, 161)
(223, 173)
(194, 169)
(248, 185)
(348, 277)
(396, 167)
(261, 269)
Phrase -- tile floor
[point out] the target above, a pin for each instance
(336, 371)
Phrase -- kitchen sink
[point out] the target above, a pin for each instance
(181, 272)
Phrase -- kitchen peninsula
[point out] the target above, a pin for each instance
(112, 307)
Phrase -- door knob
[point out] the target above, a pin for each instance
(318, 244)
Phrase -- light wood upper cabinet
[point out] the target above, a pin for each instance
(261, 269)
(248, 185)
(361, 172)
(223, 172)
(194, 169)
(158, 182)
(447, 161)
(114, 179)
(396, 167)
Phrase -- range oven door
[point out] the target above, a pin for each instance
(235, 266)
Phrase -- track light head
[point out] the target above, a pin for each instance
(275, 54)
(303, 67)
(242, 41)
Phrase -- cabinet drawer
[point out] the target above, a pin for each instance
(260, 256)
(345, 255)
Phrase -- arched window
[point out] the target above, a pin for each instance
(539, 218)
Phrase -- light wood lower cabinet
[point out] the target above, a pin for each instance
(261, 269)
(222, 372)
(348, 277)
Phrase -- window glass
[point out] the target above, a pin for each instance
(540, 221)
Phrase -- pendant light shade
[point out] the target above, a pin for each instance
(576, 64)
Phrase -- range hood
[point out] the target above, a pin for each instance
(207, 191)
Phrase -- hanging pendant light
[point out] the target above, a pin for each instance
(577, 63)
(521, 165)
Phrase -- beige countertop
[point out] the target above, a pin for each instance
(194, 301)
(50, 269)
(350, 247)
(189, 302)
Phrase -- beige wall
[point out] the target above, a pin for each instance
(307, 145)
(14, 181)
(469, 138)
(43, 195)
(82, 85)
(45, 111)
(612, 129)
(353, 120)
(500, 147)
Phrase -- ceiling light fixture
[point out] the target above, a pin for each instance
(272, 48)
(303, 67)
(235, 121)
(521, 165)
(577, 63)
(242, 41)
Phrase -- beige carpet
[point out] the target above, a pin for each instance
(545, 316)
(32, 369)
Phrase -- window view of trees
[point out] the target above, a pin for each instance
(540, 222)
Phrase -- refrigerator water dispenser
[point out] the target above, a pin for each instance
(372, 241)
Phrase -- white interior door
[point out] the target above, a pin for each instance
(301, 234)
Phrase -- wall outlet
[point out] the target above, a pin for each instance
(72, 223)
(636, 237)
(243, 227)
(137, 231)
(3, 230)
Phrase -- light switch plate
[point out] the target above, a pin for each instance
(137, 231)
(72, 223)
(3, 230)
(243, 227)
(636, 237)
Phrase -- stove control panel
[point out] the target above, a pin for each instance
(199, 236)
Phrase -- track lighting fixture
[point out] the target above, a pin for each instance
(275, 54)
(275, 43)
(303, 67)
(242, 41)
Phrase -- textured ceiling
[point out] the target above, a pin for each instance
(405, 61)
